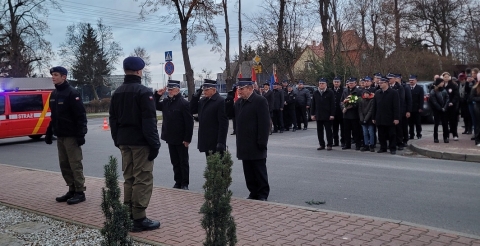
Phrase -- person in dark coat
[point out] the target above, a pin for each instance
(350, 115)
(268, 94)
(337, 122)
(69, 124)
(439, 102)
(302, 105)
(386, 113)
(278, 104)
(133, 122)
(253, 122)
(475, 98)
(212, 119)
(289, 109)
(454, 101)
(177, 131)
(403, 108)
(408, 109)
(464, 89)
(229, 102)
(415, 120)
(323, 111)
(365, 111)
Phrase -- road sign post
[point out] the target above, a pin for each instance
(168, 56)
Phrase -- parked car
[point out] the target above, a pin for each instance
(427, 115)
(184, 92)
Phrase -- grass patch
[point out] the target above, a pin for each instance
(314, 202)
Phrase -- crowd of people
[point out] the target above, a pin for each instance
(383, 109)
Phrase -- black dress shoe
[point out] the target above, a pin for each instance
(281, 131)
(262, 199)
(294, 129)
(304, 128)
(65, 197)
(185, 187)
(411, 137)
(251, 197)
(357, 148)
(346, 147)
(393, 152)
(381, 151)
(321, 148)
(445, 140)
(335, 145)
(472, 138)
(77, 198)
(145, 224)
(233, 133)
(177, 186)
(419, 137)
(399, 148)
(329, 148)
(286, 129)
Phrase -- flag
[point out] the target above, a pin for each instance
(254, 75)
(275, 72)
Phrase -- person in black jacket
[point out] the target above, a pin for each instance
(133, 122)
(177, 131)
(415, 120)
(289, 109)
(337, 123)
(452, 111)
(464, 90)
(302, 105)
(268, 94)
(439, 102)
(323, 111)
(408, 109)
(229, 102)
(386, 111)
(251, 113)
(278, 104)
(69, 124)
(212, 120)
(350, 115)
(403, 108)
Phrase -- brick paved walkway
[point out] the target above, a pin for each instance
(258, 223)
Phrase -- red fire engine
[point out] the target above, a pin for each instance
(24, 107)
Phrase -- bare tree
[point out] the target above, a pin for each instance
(194, 17)
(22, 32)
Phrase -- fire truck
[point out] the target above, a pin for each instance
(24, 107)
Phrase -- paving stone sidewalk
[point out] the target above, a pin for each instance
(258, 223)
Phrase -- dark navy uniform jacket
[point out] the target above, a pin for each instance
(68, 113)
(133, 118)
(177, 125)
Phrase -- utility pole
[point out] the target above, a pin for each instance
(163, 71)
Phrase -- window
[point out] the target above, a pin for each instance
(25, 103)
(2, 105)
(308, 65)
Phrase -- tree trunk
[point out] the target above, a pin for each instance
(240, 51)
(324, 17)
(228, 80)
(397, 25)
(186, 59)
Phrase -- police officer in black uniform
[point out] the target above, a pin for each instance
(401, 94)
(177, 131)
(415, 120)
(212, 119)
(278, 104)
(69, 124)
(289, 109)
(133, 122)
(337, 122)
(323, 111)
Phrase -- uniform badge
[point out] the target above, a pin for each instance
(150, 97)
(450, 90)
(77, 98)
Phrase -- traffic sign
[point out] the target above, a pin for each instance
(168, 56)
(169, 68)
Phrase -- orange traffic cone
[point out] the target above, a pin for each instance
(105, 124)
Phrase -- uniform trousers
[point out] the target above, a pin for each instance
(405, 137)
(181, 168)
(290, 118)
(399, 132)
(277, 120)
(440, 118)
(324, 126)
(137, 172)
(415, 123)
(256, 178)
(70, 159)
(301, 113)
(387, 133)
(352, 127)
(337, 124)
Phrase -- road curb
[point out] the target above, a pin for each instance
(443, 155)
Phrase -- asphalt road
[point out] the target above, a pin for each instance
(437, 193)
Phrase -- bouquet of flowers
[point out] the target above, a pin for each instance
(351, 100)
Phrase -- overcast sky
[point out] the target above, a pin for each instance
(155, 37)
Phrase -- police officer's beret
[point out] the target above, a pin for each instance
(337, 79)
(173, 84)
(133, 63)
(352, 79)
(242, 82)
(266, 83)
(322, 80)
(412, 76)
(208, 83)
(377, 75)
(384, 79)
(289, 85)
(367, 78)
(300, 82)
(398, 75)
(59, 69)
